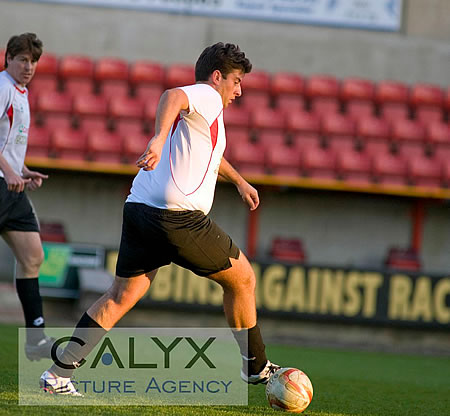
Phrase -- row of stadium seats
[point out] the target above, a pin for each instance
(74, 74)
(291, 249)
(131, 115)
(359, 168)
(310, 159)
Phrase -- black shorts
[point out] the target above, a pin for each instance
(153, 237)
(16, 211)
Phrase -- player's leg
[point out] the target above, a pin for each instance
(123, 294)
(203, 247)
(27, 249)
(238, 283)
(137, 265)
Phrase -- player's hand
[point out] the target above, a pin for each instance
(15, 182)
(249, 195)
(35, 179)
(152, 155)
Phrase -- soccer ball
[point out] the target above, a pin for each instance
(289, 389)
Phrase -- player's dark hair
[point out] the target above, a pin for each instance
(224, 57)
(24, 43)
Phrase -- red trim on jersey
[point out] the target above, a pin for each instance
(175, 125)
(18, 89)
(10, 114)
(214, 131)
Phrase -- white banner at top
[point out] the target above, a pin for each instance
(364, 14)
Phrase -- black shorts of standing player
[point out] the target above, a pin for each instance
(153, 237)
(16, 211)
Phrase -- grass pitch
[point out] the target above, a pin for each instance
(346, 383)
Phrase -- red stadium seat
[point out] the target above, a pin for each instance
(234, 116)
(357, 89)
(394, 111)
(134, 146)
(303, 122)
(354, 167)
(301, 141)
(392, 92)
(248, 158)
(126, 127)
(126, 108)
(253, 99)
(357, 109)
(54, 102)
(428, 102)
(267, 119)
(429, 114)
(271, 139)
(112, 76)
(403, 259)
(287, 250)
(90, 110)
(76, 66)
(38, 141)
(325, 105)
(146, 73)
(111, 69)
(150, 107)
(69, 144)
(426, 94)
(408, 136)
(289, 103)
(339, 131)
(52, 232)
(147, 91)
(47, 65)
(287, 83)
(393, 98)
(43, 84)
(257, 80)
(77, 73)
(104, 146)
(74, 86)
(389, 169)
(54, 109)
(438, 137)
(304, 128)
(55, 121)
(425, 171)
(322, 86)
(318, 163)
(373, 135)
(179, 75)
(235, 135)
(283, 160)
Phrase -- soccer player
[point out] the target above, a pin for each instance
(165, 217)
(18, 224)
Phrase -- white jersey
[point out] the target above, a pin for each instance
(186, 175)
(14, 122)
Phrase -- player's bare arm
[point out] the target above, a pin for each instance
(15, 182)
(247, 192)
(35, 178)
(170, 105)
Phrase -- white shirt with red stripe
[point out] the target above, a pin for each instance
(14, 122)
(186, 175)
